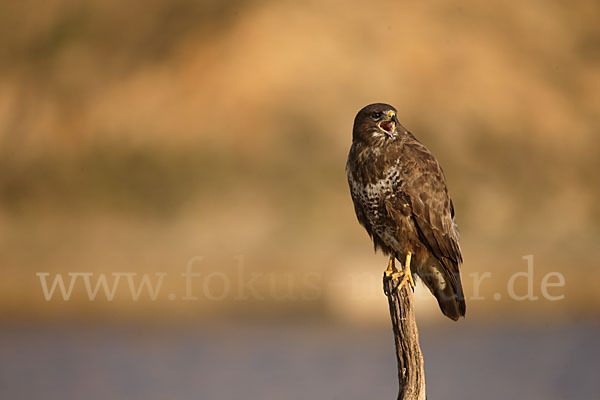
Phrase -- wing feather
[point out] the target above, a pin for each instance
(432, 208)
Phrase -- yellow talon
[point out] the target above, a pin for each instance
(405, 274)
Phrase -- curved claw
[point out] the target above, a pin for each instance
(406, 274)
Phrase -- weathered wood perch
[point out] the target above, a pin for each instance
(411, 374)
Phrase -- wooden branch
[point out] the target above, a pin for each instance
(411, 375)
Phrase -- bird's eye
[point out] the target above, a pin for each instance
(376, 115)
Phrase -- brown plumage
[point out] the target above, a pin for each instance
(400, 197)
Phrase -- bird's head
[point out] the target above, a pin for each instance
(374, 123)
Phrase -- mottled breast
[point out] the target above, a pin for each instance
(373, 196)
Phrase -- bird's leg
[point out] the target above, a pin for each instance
(406, 274)
(407, 271)
(391, 270)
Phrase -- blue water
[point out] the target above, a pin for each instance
(295, 361)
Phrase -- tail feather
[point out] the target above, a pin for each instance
(447, 289)
(451, 303)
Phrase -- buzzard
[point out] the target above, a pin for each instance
(400, 198)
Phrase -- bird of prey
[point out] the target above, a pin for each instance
(400, 198)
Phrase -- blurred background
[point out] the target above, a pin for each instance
(211, 136)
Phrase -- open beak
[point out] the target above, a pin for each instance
(388, 126)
